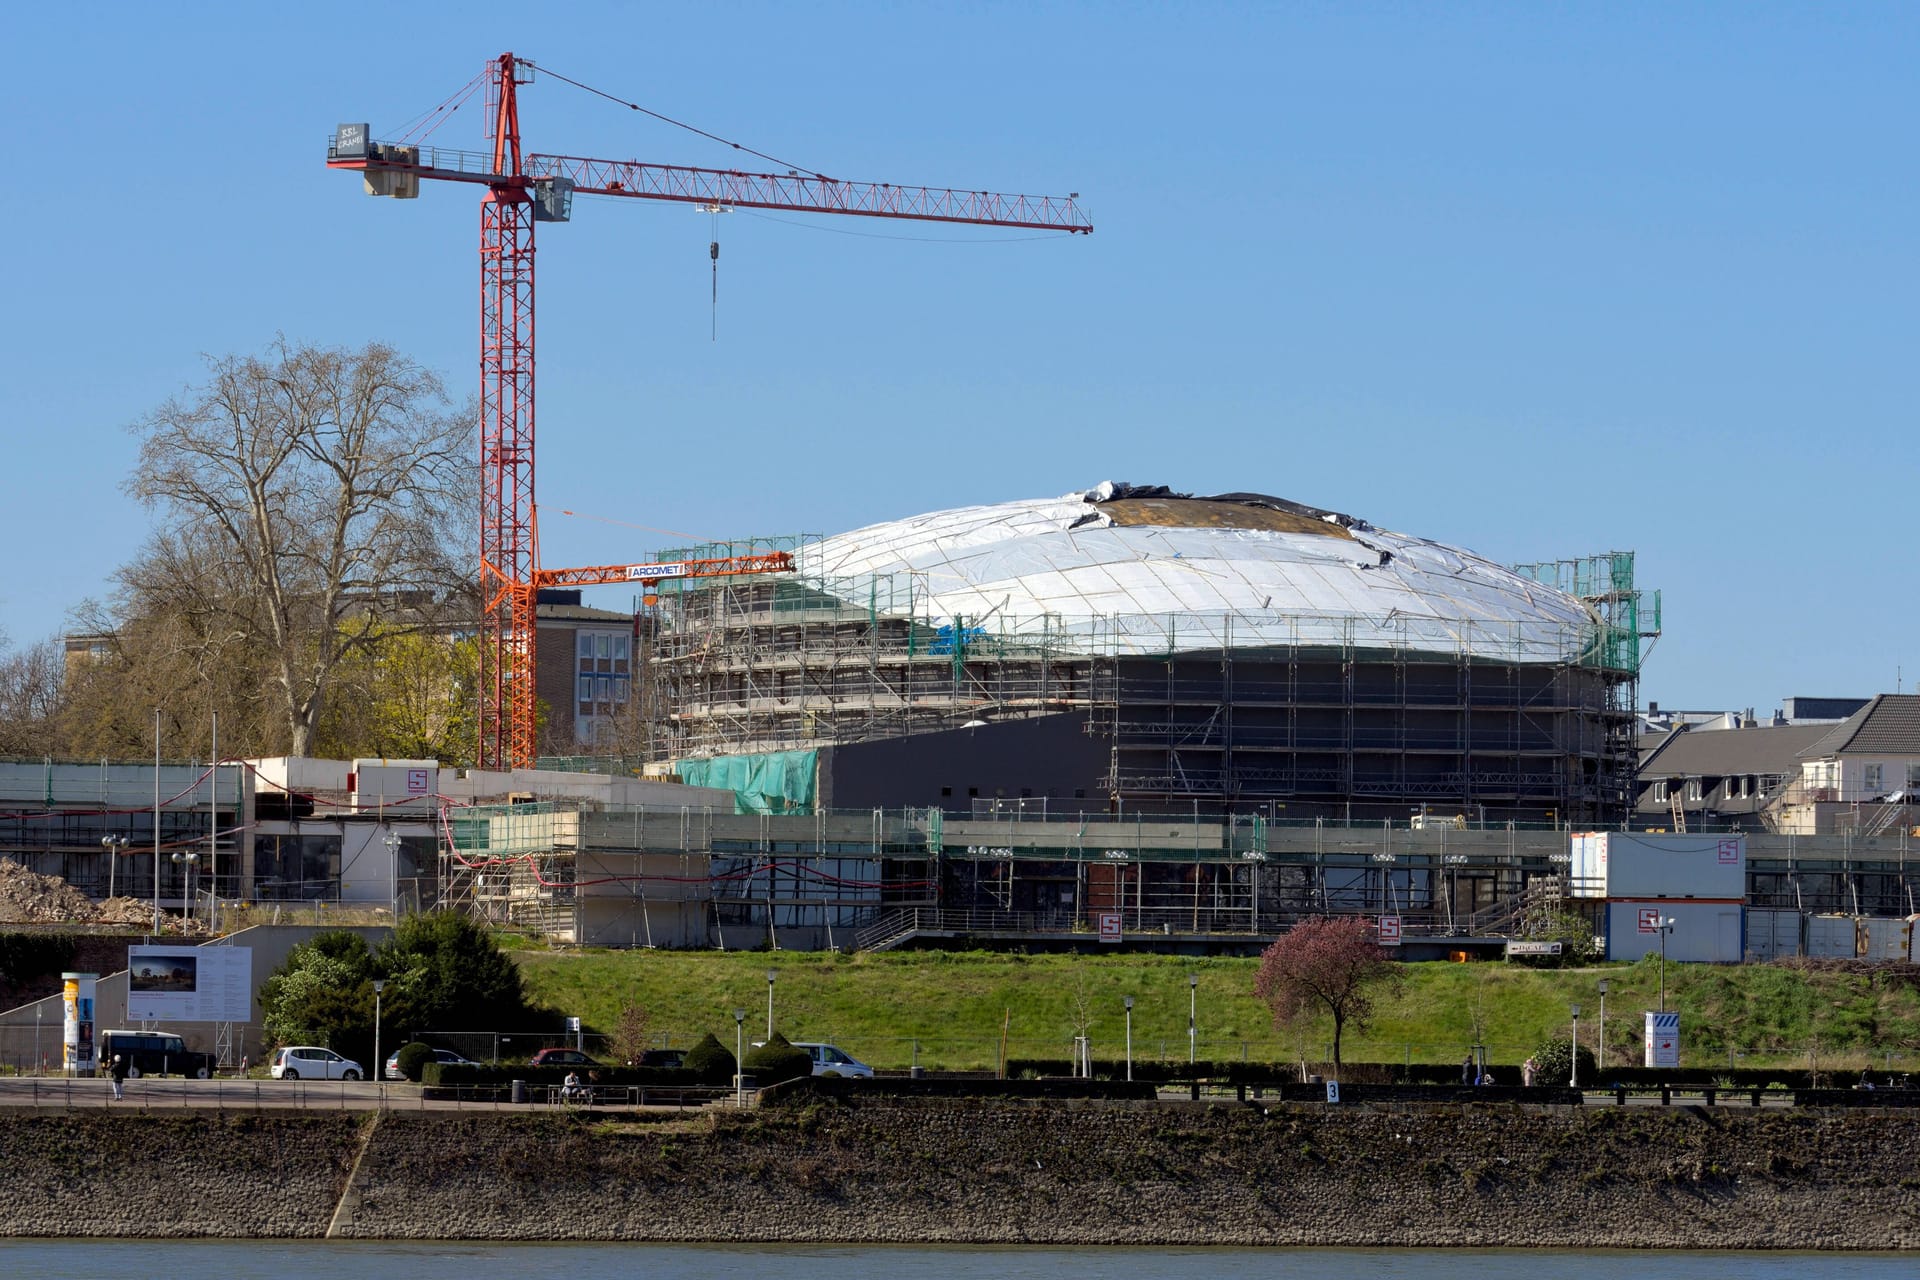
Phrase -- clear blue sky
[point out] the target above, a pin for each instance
(1536, 280)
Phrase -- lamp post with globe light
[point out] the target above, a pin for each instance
(739, 1048)
(115, 846)
(1193, 1007)
(1665, 927)
(1600, 1056)
(379, 1063)
(1573, 1080)
(187, 858)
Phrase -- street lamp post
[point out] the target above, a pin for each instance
(1666, 927)
(187, 859)
(771, 975)
(156, 822)
(1129, 1002)
(38, 1061)
(379, 1063)
(739, 1047)
(1573, 1081)
(1600, 1057)
(1193, 1006)
(393, 875)
(115, 846)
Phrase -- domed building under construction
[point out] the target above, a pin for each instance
(1133, 650)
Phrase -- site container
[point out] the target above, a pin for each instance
(1883, 938)
(1710, 932)
(1831, 937)
(1635, 864)
(1773, 934)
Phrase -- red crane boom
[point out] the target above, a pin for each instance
(540, 189)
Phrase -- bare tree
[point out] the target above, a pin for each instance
(632, 1034)
(1324, 966)
(312, 502)
(32, 688)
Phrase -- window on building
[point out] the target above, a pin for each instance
(603, 668)
(1871, 775)
(1694, 791)
(1660, 791)
(1913, 774)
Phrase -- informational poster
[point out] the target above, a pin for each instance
(189, 984)
(1663, 1039)
(1389, 931)
(77, 1040)
(1109, 922)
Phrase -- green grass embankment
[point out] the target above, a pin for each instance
(877, 1006)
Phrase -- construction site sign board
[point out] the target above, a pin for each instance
(189, 984)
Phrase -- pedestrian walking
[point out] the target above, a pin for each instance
(1467, 1072)
(117, 1072)
(1527, 1071)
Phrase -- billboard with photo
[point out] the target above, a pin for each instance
(189, 984)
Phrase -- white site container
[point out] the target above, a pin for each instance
(1703, 932)
(1832, 937)
(1773, 934)
(376, 784)
(1638, 864)
(1883, 938)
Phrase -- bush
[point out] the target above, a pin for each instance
(710, 1061)
(413, 1060)
(777, 1060)
(1553, 1063)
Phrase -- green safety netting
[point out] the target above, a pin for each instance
(766, 782)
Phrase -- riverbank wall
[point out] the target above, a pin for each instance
(817, 1169)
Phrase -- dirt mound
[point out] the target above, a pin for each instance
(27, 897)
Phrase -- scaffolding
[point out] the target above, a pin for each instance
(1239, 711)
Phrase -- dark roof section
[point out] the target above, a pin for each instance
(1216, 510)
(1887, 726)
(1717, 753)
(579, 613)
(1823, 708)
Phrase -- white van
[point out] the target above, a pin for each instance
(828, 1060)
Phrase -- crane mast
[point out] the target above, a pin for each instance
(519, 192)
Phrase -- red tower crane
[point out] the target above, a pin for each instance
(519, 192)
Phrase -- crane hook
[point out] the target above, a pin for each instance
(713, 253)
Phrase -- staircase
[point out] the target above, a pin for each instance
(885, 932)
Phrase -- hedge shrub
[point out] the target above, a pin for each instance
(777, 1060)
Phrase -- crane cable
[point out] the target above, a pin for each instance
(681, 124)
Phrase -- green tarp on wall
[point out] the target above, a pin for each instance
(769, 782)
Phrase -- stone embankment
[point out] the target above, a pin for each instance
(987, 1172)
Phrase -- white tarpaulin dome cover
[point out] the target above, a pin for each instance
(1135, 569)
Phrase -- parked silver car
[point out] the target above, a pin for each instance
(311, 1062)
(830, 1060)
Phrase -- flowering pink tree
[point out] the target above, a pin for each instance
(1325, 966)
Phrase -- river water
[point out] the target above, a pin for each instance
(356, 1260)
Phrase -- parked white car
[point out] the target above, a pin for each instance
(310, 1062)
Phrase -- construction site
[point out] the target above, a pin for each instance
(1200, 657)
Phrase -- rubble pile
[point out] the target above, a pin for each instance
(26, 897)
(137, 912)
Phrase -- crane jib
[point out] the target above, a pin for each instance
(646, 572)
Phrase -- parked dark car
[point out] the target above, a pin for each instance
(561, 1058)
(664, 1058)
(154, 1053)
